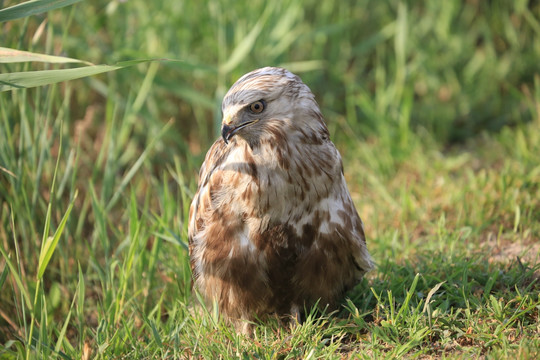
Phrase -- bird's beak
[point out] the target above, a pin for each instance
(229, 128)
(227, 132)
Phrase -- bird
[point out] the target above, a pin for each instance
(272, 227)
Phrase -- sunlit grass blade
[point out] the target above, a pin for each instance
(8, 55)
(430, 295)
(28, 79)
(46, 240)
(404, 309)
(32, 7)
(52, 241)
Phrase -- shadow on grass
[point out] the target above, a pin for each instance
(438, 304)
(466, 281)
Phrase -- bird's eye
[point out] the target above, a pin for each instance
(257, 107)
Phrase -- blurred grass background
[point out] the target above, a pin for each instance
(434, 105)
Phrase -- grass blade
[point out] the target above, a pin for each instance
(62, 335)
(28, 79)
(8, 55)
(430, 295)
(127, 178)
(17, 278)
(13, 269)
(404, 310)
(3, 276)
(32, 7)
(247, 43)
(52, 241)
(80, 291)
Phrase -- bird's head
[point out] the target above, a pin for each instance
(268, 100)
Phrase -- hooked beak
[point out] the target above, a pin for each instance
(229, 130)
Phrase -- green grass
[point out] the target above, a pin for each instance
(435, 107)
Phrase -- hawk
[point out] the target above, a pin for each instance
(272, 227)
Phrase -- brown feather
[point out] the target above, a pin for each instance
(272, 226)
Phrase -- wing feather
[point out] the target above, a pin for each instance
(214, 158)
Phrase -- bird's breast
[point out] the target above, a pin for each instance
(279, 182)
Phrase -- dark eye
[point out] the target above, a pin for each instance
(257, 107)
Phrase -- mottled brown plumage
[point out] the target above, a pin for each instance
(272, 226)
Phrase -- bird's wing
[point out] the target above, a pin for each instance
(214, 157)
(343, 217)
(354, 232)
